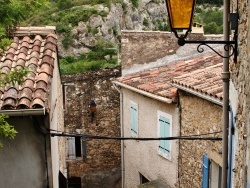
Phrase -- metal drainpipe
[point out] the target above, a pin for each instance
(122, 132)
(225, 78)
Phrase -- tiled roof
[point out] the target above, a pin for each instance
(207, 81)
(37, 52)
(157, 80)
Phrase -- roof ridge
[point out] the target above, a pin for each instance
(33, 30)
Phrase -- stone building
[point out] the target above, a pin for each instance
(147, 97)
(92, 163)
(200, 104)
(240, 97)
(33, 158)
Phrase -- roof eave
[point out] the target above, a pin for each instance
(199, 94)
(145, 93)
(24, 112)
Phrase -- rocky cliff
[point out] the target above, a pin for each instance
(146, 15)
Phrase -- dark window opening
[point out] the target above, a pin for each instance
(143, 179)
(74, 182)
(78, 146)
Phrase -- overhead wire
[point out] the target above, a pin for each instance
(86, 136)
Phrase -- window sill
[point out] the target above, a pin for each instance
(165, 156)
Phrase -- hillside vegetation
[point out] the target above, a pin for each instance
(90, 30)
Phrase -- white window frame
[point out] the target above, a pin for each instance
(215, 175)
(133, 134)
(160, 113)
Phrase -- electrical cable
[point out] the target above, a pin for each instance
(133, 138)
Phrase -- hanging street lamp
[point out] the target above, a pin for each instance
(181, 13)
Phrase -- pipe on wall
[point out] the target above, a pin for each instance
(225, 112)
(122, 133)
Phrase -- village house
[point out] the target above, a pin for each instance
(200, 104)
(149, 108)
(33, 158)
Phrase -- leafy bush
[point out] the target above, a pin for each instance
(94, 60)
(212, 20)
(135, 3)
(67, 40)
(145, 22)
(62, 28)
(64, 4)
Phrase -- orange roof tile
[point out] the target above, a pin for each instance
(205, 81)
(36, 52)
(157, 80)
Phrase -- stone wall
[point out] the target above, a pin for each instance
(198, 116)
(102, 165)
(143, 47)
(241, 81)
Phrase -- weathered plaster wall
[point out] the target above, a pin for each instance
(198, 116)
(102, 166)
(22, 159)
(142, 156)
(241, 80)
(56, 120)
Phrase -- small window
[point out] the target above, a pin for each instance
(164, 131)
(77, 147)
(134, 118)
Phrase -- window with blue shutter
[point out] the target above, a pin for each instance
(134, 118)
(205, 171)
(164, 126)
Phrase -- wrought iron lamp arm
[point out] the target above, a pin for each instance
(228, 45)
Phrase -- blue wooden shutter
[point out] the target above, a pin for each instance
(205, 171)
(164, 132)
(133, 110)
(167, 134)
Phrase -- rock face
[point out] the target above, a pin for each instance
(148, 15)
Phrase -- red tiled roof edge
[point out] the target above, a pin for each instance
(36, 51)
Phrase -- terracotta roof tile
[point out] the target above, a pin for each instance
(157, 80)
(36, 52)
(205, 81)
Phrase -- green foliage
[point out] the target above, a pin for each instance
(145, 22)
(212, 20)
(135, 3)
(4, 43)
(62, 28)
(64, 4)
(67, 40)
(94, 60)
(6, 130)
(14, 77)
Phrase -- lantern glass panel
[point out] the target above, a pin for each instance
(180, 13)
